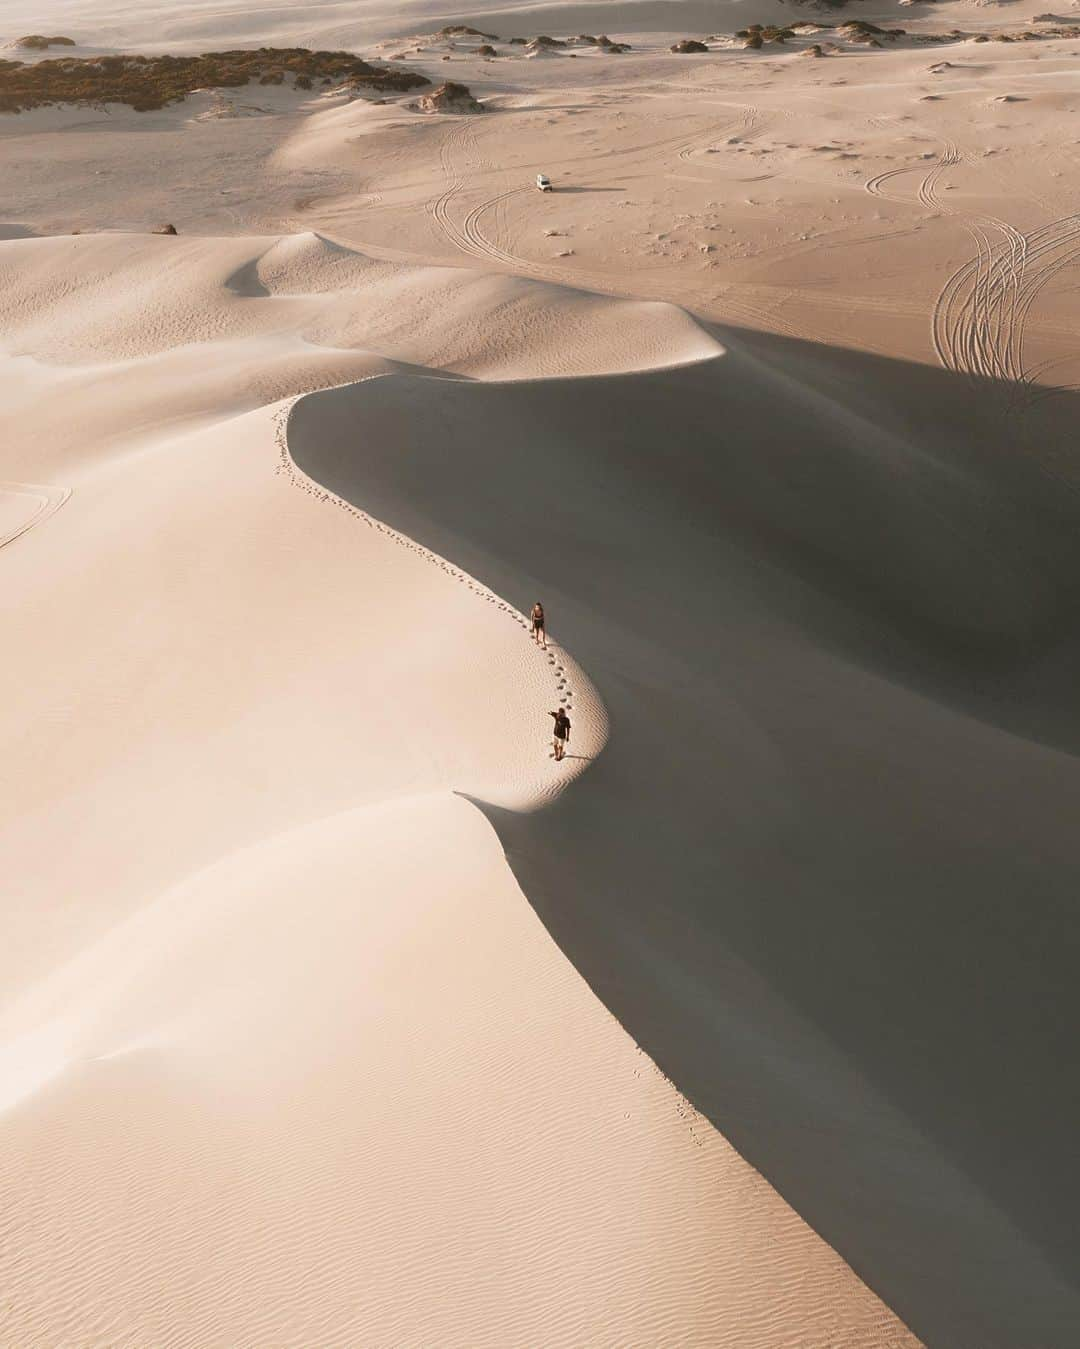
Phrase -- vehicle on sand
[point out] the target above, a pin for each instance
(543, 182)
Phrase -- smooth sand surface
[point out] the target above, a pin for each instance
(287, 1056)
(771, 403)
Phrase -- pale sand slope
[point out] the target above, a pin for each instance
(287, 1058)
(826, 867)
(875, 995)
(854, 200)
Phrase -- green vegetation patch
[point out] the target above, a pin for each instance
(147, 83)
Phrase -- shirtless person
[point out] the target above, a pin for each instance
(562, 731)
(537, 616)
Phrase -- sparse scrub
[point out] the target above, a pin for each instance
(463, 30)
(36, 43)
(147, 83)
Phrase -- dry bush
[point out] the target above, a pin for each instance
(147, 83)
(36, 43)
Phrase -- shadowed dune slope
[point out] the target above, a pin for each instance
(825, 871)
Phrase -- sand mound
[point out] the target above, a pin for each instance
(260, 1063)
(450, 97)
(774, 529)
(274, 1055)
(38, 43)
(103, 297)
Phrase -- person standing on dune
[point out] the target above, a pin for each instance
(537, 616)
(562, 732)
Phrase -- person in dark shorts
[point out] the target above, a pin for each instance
(537, 616)
(562, 731)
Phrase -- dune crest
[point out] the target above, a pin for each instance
(334, 1009)
(307, 1021)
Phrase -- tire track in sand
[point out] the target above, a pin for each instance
(747, 120)
(473, 238)
(979, 316)
(48, 499)
(456, 138)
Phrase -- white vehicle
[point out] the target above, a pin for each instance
(543, 182)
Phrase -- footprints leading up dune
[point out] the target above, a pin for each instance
(300, 480)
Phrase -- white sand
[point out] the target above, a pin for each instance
(286, 1055)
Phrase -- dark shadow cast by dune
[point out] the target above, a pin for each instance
(826, 870)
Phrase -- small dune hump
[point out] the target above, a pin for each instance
(450, 97)
(463, 30)
(688, 46)
(35, 42)
(545, 46)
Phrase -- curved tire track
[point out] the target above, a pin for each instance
(49, 499)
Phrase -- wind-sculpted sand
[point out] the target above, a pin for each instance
(334, 1010)
(285, 1050)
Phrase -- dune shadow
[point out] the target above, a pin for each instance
(825, 871)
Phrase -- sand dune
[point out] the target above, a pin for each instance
(744, 927)
(284, 1045)
(335, 1011)
(355, 1087)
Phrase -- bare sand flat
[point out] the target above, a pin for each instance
(334, 1009)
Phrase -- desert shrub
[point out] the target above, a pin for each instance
(147, 83)
(36, 43)
(754, 41)
(463, 30)
(389, 81)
